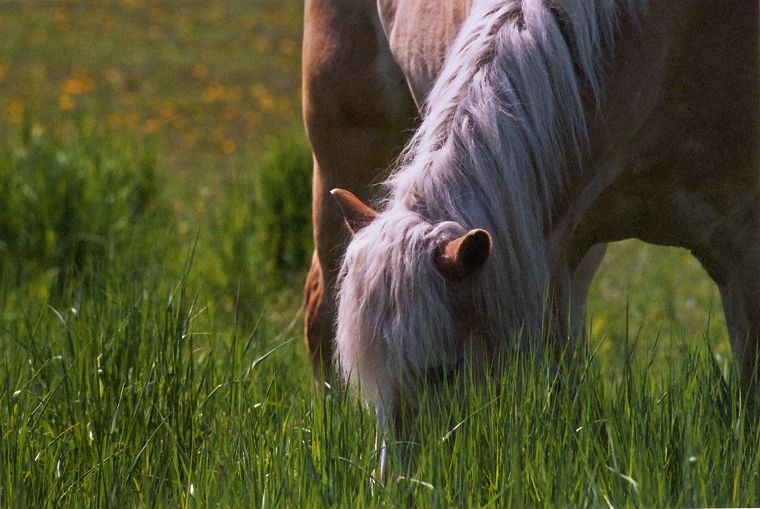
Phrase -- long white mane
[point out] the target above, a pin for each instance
(502, 126)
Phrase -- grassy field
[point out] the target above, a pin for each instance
(150, 306)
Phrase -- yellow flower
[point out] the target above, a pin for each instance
(59, 15)
(200, 71)
(184, 26)
(156, 32)
(288, 46)
(77, 85)
(248, 22)
(262, 45)
(166, 111)
(66, 103)
(213, 92)
(265, 99)
(229, 146)
(114, 76)
(219, 92)
(151, 126)
(115, 119)
(216, 13)
(15, 110)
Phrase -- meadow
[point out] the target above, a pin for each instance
(155, 185)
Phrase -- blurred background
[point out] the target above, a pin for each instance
(211, 79)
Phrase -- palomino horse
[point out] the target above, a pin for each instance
(547, 129)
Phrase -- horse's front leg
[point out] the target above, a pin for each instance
(357, 110)
(740, 293)
(582, 276)
(734, 265)
(570, 286)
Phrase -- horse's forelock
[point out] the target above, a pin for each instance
(393, 303)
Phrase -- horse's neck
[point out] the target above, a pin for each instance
(419, 37)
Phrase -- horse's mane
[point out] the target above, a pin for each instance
(500, 128)
(500, 125)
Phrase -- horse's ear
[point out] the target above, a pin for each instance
(356, 213)
(463, 256)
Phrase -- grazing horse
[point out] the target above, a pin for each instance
(547, 128)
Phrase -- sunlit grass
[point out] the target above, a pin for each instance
(654, 297)
(141, 398)
(161, 374)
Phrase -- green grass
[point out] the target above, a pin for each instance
(154, 235)
(164, 365)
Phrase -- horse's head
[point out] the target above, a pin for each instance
(407, 313)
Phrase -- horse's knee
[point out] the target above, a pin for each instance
(318, 319)
(317, 339)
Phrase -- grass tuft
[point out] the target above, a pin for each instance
(143, 377)
(71, 204)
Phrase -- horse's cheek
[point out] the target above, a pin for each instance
(465, 319)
